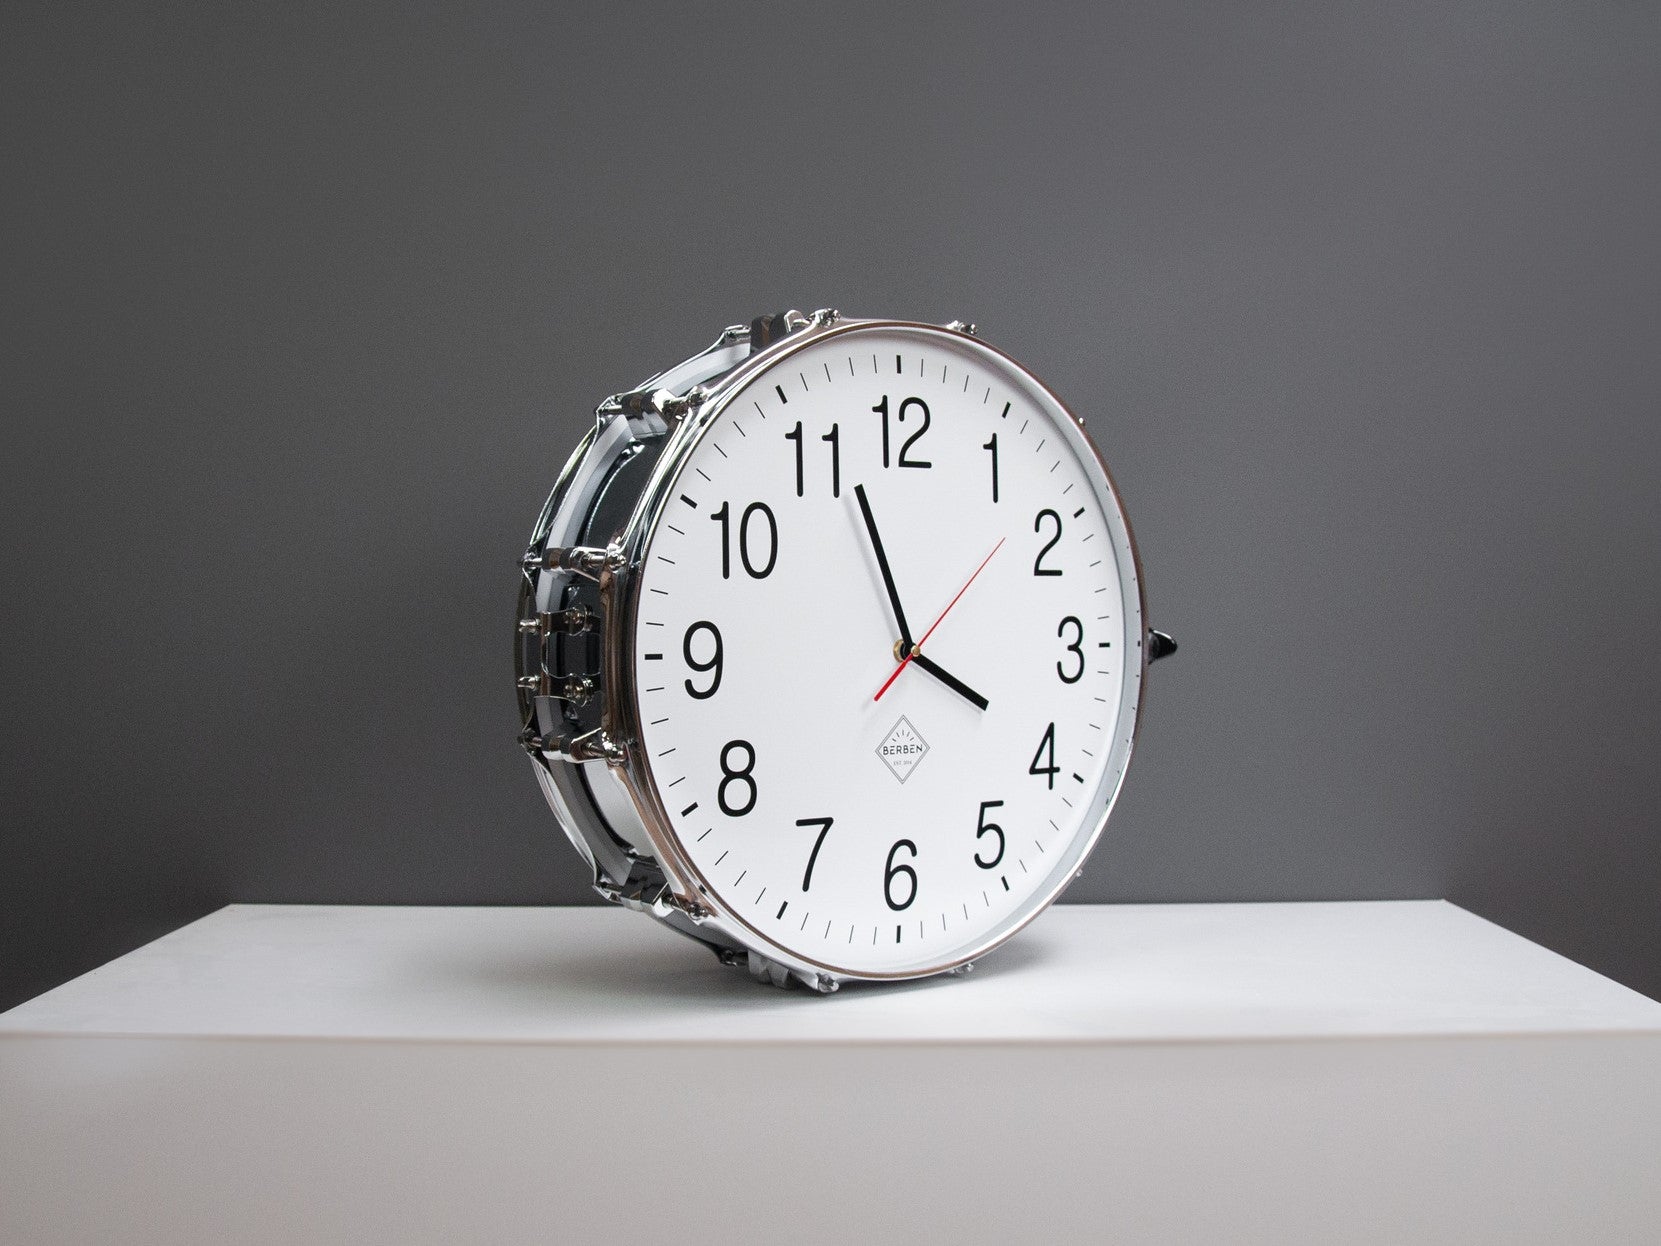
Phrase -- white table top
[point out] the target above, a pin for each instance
(1091, 974)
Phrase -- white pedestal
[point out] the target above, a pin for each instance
(1346, 1072)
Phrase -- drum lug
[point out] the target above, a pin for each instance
(573, 621)
(650, 410)
(573, 689)
(588, 561)
(593, 745)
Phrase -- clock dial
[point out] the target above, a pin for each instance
(887, 650)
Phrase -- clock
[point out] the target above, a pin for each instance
(831, 648)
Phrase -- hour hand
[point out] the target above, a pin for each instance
(946, 677)
(882, 565)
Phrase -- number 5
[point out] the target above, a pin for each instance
(983, 828)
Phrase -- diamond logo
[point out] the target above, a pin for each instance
(902, 749)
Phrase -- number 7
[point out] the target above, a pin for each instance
(824, 825)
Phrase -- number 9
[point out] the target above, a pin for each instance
(714, 663)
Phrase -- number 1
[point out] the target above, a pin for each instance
(834, 437)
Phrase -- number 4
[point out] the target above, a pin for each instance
(1046, 749)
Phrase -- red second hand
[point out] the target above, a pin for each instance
(906, 661)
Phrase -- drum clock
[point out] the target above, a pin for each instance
(832, 645)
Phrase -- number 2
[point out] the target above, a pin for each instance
(1038, 567)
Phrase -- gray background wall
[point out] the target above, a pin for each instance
(302, 307)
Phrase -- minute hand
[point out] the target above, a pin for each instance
(882, 565)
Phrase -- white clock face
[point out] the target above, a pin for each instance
(864, 806)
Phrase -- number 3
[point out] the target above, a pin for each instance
(1076, 648)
